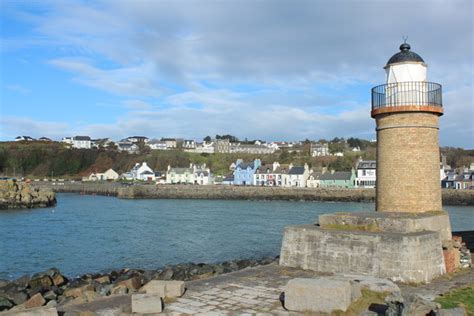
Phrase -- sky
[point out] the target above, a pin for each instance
(272, 70)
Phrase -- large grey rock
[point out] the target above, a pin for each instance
(322, 295)
(5, 303)
(18, 297)
(164, 288)
(416, 305)
(146, 304)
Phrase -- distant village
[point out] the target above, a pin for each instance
(246, 173)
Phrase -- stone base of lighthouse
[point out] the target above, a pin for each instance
(399, 246)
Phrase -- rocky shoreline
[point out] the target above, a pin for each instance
(51, 288)
(224, 192)
(18, 195)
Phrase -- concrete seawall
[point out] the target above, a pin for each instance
(450, 197)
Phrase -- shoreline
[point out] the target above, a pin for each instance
(224, 192)
(54, 288)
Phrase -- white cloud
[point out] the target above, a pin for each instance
(308, 61)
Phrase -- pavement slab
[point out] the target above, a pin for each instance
(253, 291)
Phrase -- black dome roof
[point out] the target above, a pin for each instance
(405, 55)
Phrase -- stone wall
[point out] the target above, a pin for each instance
(413, 257)
(450, 197)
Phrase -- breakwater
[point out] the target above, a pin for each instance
(223, 192)
(16, 195)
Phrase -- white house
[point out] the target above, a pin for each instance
(193, 175)
(313, 179)
(67, 140)
(128, 147)
(110, 174)
(366, 173)
(170, 142)
(157, 145)
(142, 172)
(24, 138)
(205, 147)
(297, 176)
(82, 142)
(137, 139)
(189, 143)
(272, 175)
(102, 143)
(318, 150)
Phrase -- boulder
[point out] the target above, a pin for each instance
(133, 283)
(90, 296)
(50, 295)
(5, 303)
(322, 295)
(22, 282)
(36, 300)
(167, 274)
(77, 291)
(162, 288)
(416, 305)
(146, 304)
(119, 289)
(103, 279)
(18, 297)
(40, 280)
(3, 283)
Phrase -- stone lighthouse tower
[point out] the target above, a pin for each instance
(406, 110)
(390, 243)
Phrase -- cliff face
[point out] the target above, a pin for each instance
(15, 194)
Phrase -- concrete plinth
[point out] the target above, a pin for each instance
(391, 222)
(407, 257)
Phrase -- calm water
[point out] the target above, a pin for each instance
(94, 233)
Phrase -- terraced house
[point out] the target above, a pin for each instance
(338, 179)
(193, 175)
(244, 172)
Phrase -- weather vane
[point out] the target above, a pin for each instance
(405, 37)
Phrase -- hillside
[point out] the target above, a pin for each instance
(53, 159)
(40, 159)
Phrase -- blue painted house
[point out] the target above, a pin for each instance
(243, 172)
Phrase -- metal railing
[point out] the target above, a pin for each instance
(416, 93)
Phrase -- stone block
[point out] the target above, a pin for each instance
(164, 288)
(35, 301)
(322, 295)
(146, 303)
(404, 257)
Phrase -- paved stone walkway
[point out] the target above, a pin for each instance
(252, 291)
(246, 292)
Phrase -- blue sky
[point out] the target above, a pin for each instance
(273, 70)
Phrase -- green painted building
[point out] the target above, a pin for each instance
(338, 179)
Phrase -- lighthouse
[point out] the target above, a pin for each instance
(406, 110)
(403, 240)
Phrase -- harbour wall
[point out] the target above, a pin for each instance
(225, 192)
